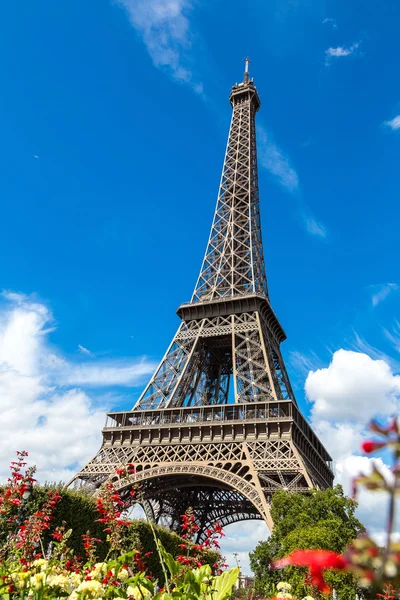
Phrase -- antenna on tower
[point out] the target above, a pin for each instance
(246, 70)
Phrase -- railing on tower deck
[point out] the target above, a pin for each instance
(254, 411)
(274, 411)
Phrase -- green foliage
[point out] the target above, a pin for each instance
(317, 520)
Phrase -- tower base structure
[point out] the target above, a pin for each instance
(223, 461)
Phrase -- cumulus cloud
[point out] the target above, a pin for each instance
(345, 396)
(340, 52)
(42, 411)
(381, 291)
(353, 385)
(394, 123)
(164, 27)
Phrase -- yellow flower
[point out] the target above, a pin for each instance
(99, 570)
(284, 595)
(123, 574)
(60, 581)
(36, 582)
(90, 589)
(283, 585)
(138, 592)
(75, 579)
(40, 562)
(20, 578)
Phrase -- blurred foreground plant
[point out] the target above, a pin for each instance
(375, 568)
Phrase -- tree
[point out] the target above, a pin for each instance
(319, 519)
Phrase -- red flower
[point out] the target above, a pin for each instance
(317, 561)
(370, 446)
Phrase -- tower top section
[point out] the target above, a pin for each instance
(246, 90)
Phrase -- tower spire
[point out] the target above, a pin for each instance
(246, 70)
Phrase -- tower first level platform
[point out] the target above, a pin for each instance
(224, 461)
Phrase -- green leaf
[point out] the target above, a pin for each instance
(222, 584)
(173, 566)
(202, 573)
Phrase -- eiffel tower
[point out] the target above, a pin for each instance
(218, 428)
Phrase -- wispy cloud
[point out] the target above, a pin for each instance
(394, 335)
(304, 362)
(381, 291)
(394, 123)
(340, 52)
(275, 160)
(104, 373)
(272, 158)
(331, 22)
(164, 27)
(315, 227)
(84, 350)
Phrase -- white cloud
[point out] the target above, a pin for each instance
(394, 123)
(273, 159)
(164, 28)
(340, 52)
(353, 386)
(58, 424)
(332, 22)
(315, 227)
(382, 291)
(242, 538)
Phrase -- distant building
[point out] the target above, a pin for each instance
(244, 581)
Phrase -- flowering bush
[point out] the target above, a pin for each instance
(30, 570)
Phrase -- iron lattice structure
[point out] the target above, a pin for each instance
(218, 428)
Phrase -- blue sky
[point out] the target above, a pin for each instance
(113, 120)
